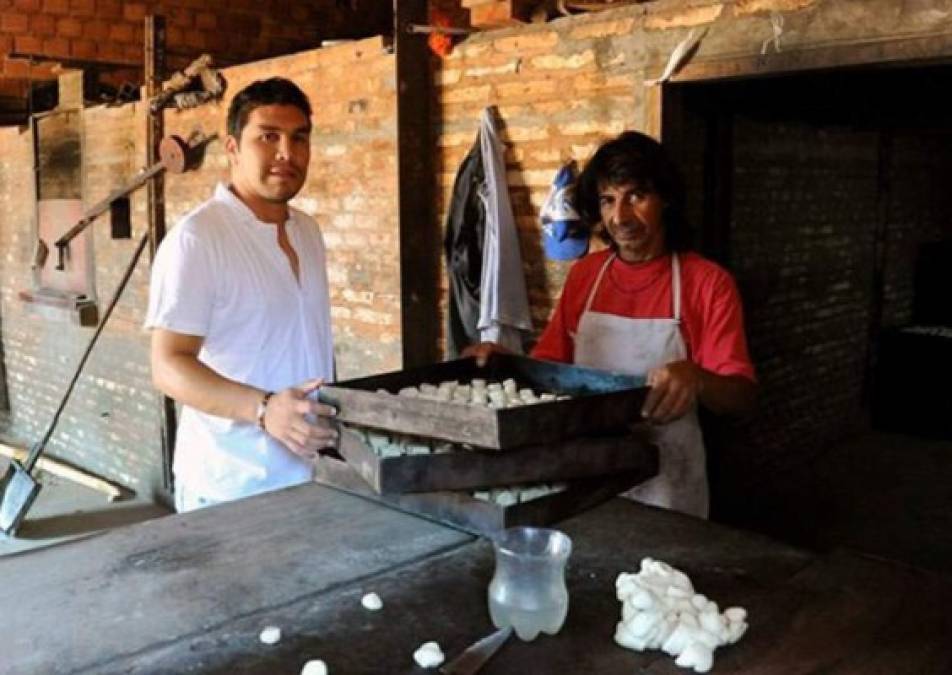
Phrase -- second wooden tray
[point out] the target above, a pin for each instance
(464, 511)
(465, 469)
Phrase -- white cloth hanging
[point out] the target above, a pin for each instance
(504, 304)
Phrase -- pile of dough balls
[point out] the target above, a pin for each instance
(660, 610)
(494, 395)
(519, 494)
(396, 445)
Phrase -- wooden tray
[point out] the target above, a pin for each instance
(462, 469)
(461, 510)
(601, 402)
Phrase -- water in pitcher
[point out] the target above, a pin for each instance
(528, 622)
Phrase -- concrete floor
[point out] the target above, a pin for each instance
(64, 510)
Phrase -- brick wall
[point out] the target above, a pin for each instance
(111, 427)
(112, 31)
(805, 204)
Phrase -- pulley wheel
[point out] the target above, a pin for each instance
(173, 153)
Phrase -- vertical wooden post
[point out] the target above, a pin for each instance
(419, 236)
(154, 73)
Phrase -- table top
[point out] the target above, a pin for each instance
(191, 593)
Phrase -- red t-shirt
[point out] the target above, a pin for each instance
(712, 322)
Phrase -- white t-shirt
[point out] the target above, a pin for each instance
(220, 274)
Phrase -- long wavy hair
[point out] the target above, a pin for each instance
(638, 160)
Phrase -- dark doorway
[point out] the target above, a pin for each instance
(827, 195)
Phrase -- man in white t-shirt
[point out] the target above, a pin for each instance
(240, 313)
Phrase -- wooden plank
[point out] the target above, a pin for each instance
(922, 49)
(79, 605)
(500, 13)
(155, 129)
(469, 469)
(50, 465)
(416, 188)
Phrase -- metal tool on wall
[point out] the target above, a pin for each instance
(175, 156)
(18, 488)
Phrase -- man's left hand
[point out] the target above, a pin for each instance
(675, 388)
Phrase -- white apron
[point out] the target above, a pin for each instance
(634, 347)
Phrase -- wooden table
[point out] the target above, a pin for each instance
(191, 593)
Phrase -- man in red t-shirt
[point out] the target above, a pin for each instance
(646, 307)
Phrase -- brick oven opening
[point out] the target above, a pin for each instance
(828, 196)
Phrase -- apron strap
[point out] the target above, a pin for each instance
(598, 281)
(591, 293)
(676, 286)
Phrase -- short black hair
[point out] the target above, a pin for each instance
(273, 91)
(633, 158)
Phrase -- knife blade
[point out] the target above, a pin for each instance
(476, 655)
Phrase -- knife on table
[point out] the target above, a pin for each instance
(477, 654)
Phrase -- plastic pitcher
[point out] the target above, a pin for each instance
(528, 589)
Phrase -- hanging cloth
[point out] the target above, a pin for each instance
(504, 315)
(488, 300)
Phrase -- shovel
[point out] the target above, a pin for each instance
(18, 488)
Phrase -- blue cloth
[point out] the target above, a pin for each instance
(563, 236)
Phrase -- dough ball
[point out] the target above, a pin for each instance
(270, 635)
(372, 602)
(314, 667)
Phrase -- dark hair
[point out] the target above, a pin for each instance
(273, 91)
(634, 159)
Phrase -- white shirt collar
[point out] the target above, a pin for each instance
(224, 194)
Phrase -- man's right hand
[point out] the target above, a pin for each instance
(483, 350)
(298, 422)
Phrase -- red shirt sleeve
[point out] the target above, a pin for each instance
(716, 328)
(556, 343)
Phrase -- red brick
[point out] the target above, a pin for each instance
(174, 36)
(206, 21)
(108, 9)
(27, 44)
(12, 22)
(12, 87)
(83, 49)
(121, 32)
(17, 68)
(69, 27)
(111, 51)
(180, 16)
(82, 7)
(56, 46)
(217, 42)
(96, 30)
(132, 52)
(195, 39)
(247, 27)
(56, 6)
(6, 43)
(301, 13)
(27, 5)
(43, 24)
(133, 12)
